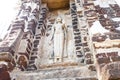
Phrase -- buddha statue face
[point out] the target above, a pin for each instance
(59, 19)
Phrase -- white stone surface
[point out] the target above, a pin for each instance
(22, 46)
(97, 28)
(116, 19)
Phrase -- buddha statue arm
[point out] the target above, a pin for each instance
(65, 31)
(52, 33)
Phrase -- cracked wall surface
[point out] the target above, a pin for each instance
(92, 41)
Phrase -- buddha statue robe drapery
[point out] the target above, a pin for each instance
(59, 40)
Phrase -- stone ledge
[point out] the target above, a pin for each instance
(55, 65)
(55, 74)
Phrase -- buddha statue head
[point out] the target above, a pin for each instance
(59, 20)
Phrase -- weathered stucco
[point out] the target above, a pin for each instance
(92, 41)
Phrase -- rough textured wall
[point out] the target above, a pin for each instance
(88, 47)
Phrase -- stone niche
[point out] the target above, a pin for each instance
(56, 4)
